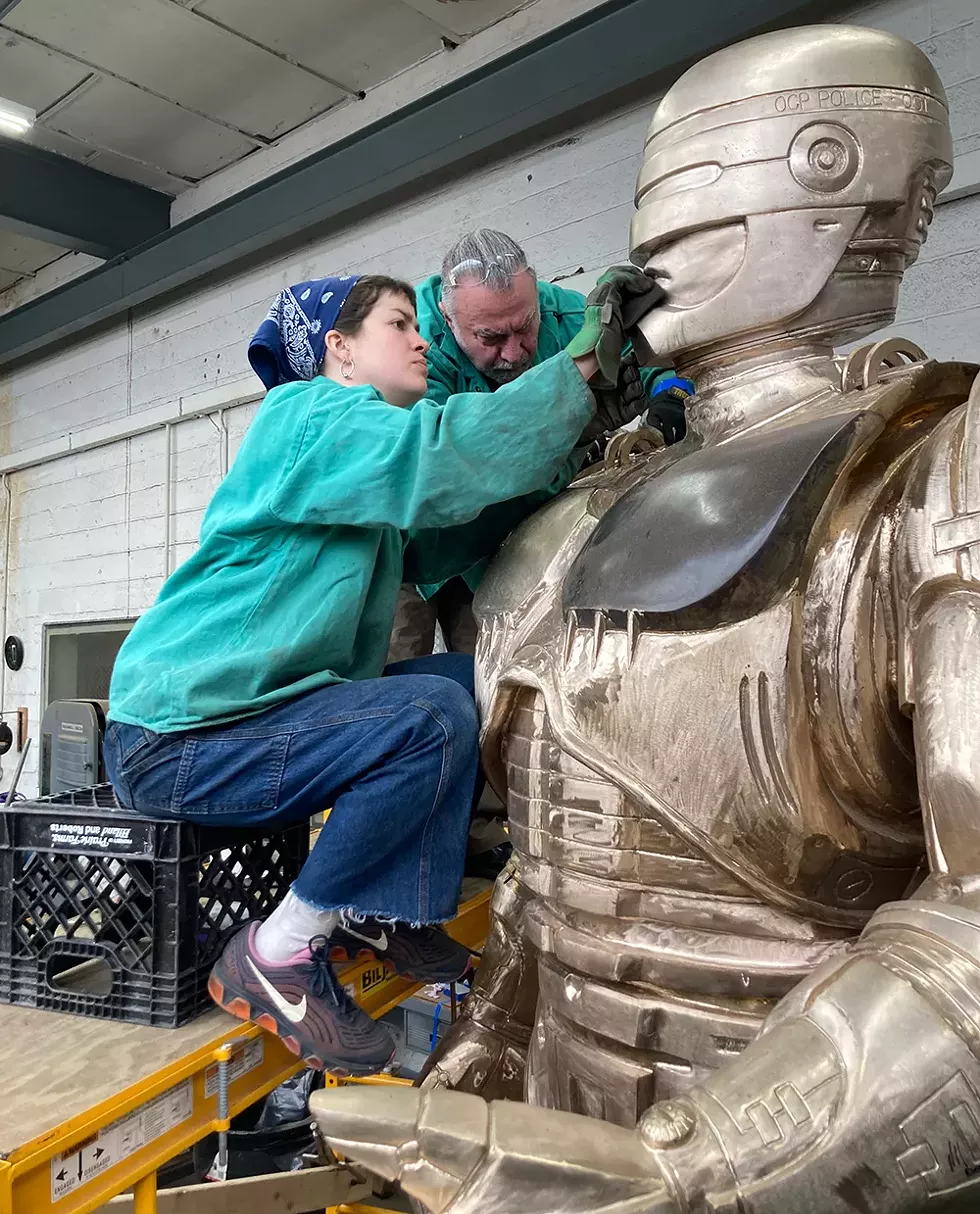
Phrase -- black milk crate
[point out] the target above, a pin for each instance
(106, 913)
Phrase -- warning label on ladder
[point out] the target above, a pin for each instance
(244, 1058)
(121, 1139)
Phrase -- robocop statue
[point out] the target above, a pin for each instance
(732, 692)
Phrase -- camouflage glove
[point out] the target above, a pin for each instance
(669, 395)
(621, 289)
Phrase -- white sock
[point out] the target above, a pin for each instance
(291, 927)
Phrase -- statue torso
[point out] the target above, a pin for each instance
(687, 677)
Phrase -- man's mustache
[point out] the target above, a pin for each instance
(503, 372)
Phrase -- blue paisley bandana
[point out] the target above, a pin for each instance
(290, 343)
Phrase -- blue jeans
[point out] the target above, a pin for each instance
(395, 760)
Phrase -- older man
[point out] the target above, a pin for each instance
(488, 319)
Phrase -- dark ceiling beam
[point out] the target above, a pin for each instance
(6, 6)
(568, 75)
(69, 204)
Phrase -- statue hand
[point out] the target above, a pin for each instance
(458, 1154)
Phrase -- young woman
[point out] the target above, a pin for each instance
(251, 693)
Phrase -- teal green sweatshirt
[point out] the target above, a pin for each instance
(304, 544)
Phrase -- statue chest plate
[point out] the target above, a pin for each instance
(718, 533)
(668, 660)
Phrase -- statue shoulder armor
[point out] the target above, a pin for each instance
(537, 553)
(719, 533)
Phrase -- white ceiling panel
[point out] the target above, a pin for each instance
(168, 50)
(8, 279)
(166, 93)
(34, 76)
(355, 42)
(23, 255)
(121, 118)
(465, 16)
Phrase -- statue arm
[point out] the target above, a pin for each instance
(946, 674)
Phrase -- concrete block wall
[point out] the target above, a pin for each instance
(85, 534)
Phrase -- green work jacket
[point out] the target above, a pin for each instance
(334, 499)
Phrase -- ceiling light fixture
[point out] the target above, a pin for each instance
(15, 119)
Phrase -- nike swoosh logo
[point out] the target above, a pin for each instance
(380, 944)
(295, 1013)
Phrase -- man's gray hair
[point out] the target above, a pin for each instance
(484, 256)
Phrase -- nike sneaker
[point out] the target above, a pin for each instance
(424, 954)
(300, 1001)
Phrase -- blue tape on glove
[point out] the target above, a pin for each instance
(667, 383)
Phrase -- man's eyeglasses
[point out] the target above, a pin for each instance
(477, 271)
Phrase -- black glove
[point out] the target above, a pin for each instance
(670, 395)
(621, 297)
(615, 407)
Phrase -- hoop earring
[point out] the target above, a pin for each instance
(348, 362)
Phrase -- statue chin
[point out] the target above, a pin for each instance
(693, 269)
